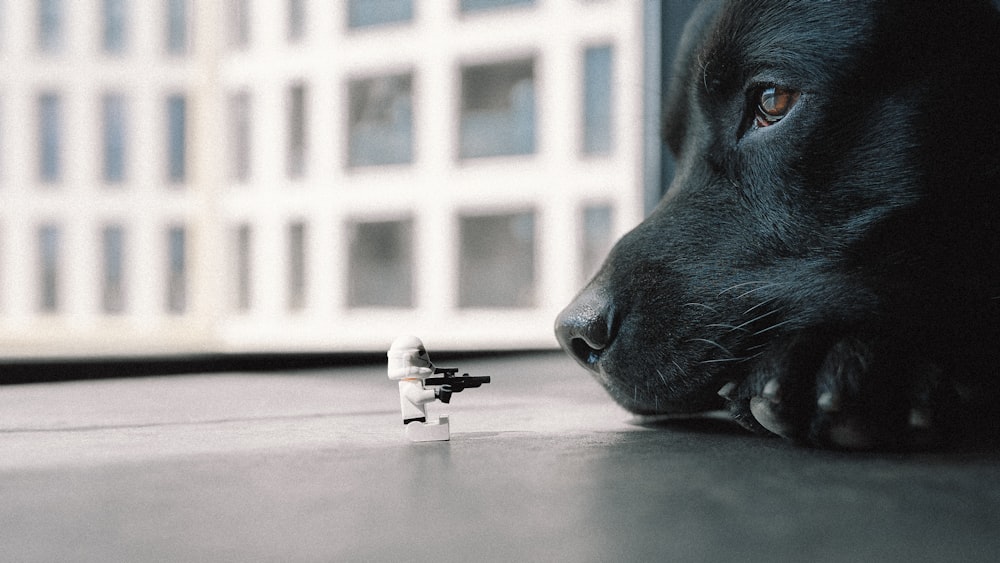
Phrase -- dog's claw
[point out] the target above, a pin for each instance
(828, 402)
(772, 391)
(761, 409)
(728, 391)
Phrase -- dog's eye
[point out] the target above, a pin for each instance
(774, 103)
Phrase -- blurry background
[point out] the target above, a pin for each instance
(184, 176)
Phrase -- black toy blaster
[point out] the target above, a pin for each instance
(457, 382)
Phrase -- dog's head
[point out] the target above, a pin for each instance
(837, 168)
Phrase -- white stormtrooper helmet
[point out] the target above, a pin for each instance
(404, 353)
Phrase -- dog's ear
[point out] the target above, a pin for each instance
(687, 66)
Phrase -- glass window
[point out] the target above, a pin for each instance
(114, 38)
(4, 27)
(177, 27)
(239, 114)
(113, 282)
(380, 271)
(50, 137)
(498, 109)
(296, 19)
(3, 133)
(238, 14)
(598, 91)
(497, 260)
(362, 13)
(296, 266)
(381, 121)
(597, 238)
(48, 268)
(297, 120)
(113, 122)
(477, 5)
(176, 269)
(244, 267)
(177, 138)
(50, 26)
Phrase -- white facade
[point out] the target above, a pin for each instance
(453, 173)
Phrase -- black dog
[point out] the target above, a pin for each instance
(826, 260)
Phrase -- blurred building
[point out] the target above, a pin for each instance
(303, 175)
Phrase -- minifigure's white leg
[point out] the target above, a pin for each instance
(436, 431)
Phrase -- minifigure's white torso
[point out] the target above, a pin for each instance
(413, 397)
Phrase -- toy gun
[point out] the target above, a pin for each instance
(457, 382)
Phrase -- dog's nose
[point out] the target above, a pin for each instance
(584, 328)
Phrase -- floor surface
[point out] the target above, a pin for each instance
(313, 466)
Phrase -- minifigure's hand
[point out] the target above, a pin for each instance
(425, 371)
(444, 393)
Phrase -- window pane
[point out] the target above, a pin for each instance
(113, 118)
(177, 138)
(3, 128)
(597, 226)
(296, 266)
(476, 5)
(597, 100)
(497, 258)
(50, 137)
(113, 282)
(239, 136)
(244, 268)
(50, 26)
(177, 27)
(374, 12)
(296, 19)
(48, 268)
(381, 121)
(498, 109)
(297, 120)
(381, 264)
(238, 13)
(176, 269)
(114, 21)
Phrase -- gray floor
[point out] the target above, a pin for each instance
(312, 466)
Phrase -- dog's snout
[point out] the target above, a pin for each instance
(584, 328)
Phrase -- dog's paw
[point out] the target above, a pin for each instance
(843, 393)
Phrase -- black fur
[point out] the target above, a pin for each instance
(841, 267)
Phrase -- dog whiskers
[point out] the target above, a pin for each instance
(712, 343)
(756, 289)
(734, 360)
(728, 327)
(772, 327)
(757, 318)
(761, 304)
(704, 73)
(721, 360)
(762, 284)
(738, 360)
(702, 305)
(662, 377)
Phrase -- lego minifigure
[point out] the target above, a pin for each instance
(410, 365)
